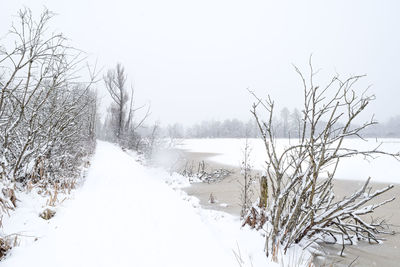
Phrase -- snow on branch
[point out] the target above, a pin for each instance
(297, 203)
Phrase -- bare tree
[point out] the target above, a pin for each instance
(299, 203)
(122, 111)
(115, 83)
(295, 123)
(285, 122)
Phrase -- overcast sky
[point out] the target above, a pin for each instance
(193, 60)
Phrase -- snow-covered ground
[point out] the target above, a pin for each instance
(126, 214)
(382, 169)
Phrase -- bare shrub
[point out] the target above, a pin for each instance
(46, 114)
(298, 204)
(246, 192)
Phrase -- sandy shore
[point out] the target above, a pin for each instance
(227, 195)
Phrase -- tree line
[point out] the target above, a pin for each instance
(286, 125)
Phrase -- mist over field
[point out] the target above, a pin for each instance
(194, 60)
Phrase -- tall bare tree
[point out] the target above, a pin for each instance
(115, 83)
(121, 113)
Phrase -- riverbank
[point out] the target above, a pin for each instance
(227, 198)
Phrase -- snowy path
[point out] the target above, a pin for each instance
(123, 216)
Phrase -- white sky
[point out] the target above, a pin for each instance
(194, 59)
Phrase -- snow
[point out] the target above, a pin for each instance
(126, 214)
(382, 169)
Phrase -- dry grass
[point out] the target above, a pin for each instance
(47, 214)
(8, 200)
(6, 243)
(55, 192)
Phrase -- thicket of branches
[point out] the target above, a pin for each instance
(47, 114)
(297, 202)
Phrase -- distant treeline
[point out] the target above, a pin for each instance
(288, 124)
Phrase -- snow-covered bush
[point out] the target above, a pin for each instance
(298, 204)
(47, 114)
